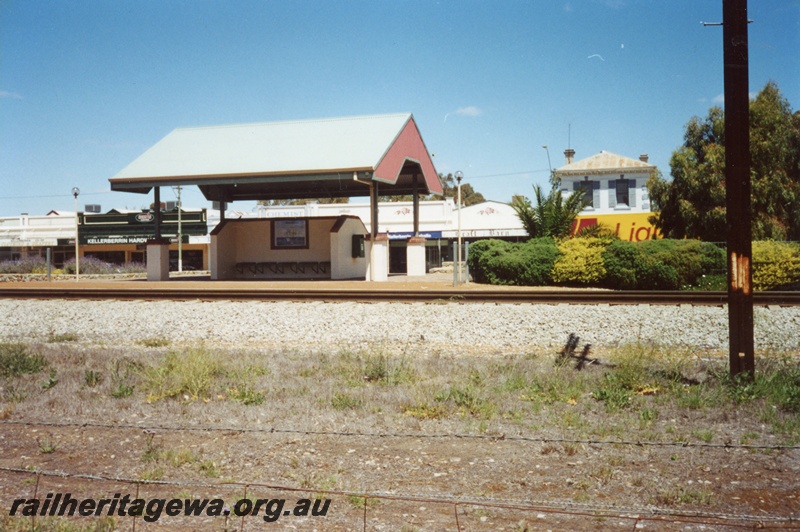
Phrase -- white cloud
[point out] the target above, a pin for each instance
(470, 110)
(12, 95)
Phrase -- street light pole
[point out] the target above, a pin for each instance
(75, 192)
(459, 177)
(550, 166)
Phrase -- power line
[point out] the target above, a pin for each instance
(506, 175)
(53, 195)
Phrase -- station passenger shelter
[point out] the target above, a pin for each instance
(374, 156)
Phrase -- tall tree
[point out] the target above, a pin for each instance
(692, 204)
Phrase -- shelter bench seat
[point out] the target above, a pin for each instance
(272, 267)
(283, 268)
(252, 267)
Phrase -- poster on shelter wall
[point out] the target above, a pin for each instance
(289, 234)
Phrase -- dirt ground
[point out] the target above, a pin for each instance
(558, 467)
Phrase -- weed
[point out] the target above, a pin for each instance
(247, 396)
(613, 394)
(122, 371)
(208, 468)
(47, 444)
(381, 369)
(343, 401)
(647, 415)
(550, 448)
(675, 496)
(425, 410)
(749, 437)
(467, 398)
(571, 449)
(92, 378)
(154, 473)
(358, 501)
(189, 375)
(13, 394)
(51, 380)
(152, 451)
(692, 398)
(603, 475)
(122, 391)
(54, 338)
(178, 457)
(15, 360)
(704, 435)
(154, 342)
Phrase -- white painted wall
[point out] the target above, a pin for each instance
(343, 265)
(249, 240)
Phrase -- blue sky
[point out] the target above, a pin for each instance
(87, 86)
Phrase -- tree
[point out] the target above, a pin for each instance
(552, 215)
(469, 196)
(692, 204)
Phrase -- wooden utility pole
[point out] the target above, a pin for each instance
(737, 188)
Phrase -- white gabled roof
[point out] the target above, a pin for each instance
(604, 162)
(291, 159)
(301, 146)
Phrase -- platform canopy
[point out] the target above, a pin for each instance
(336, 157)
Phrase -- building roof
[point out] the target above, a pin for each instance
(604, 163)
(291, 159)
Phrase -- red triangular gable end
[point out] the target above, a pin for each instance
(408, 146)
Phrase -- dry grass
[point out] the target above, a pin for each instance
(638, 393)
(635, 388)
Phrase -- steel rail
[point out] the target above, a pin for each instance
(573, 297)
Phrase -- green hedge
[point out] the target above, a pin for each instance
(505, 263)
(620, 265)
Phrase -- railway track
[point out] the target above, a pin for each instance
(212, 293)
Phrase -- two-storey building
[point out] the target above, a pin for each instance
(611, 183)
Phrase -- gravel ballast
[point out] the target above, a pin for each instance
(472, 327)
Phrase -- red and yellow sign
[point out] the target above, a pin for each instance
(633, 227)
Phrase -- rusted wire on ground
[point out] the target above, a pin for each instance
(562, 508)
(491, 437)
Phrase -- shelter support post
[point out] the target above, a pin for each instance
(415, 256)
(157, 211)
(737, 194)
(158, 247)
(415, 196)
(377, 249)
(373, 207)
(415, 247)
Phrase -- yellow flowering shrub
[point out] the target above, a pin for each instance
(775, 264)
(580, 261)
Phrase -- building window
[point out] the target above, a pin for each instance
(622, 187)
(588, 188)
